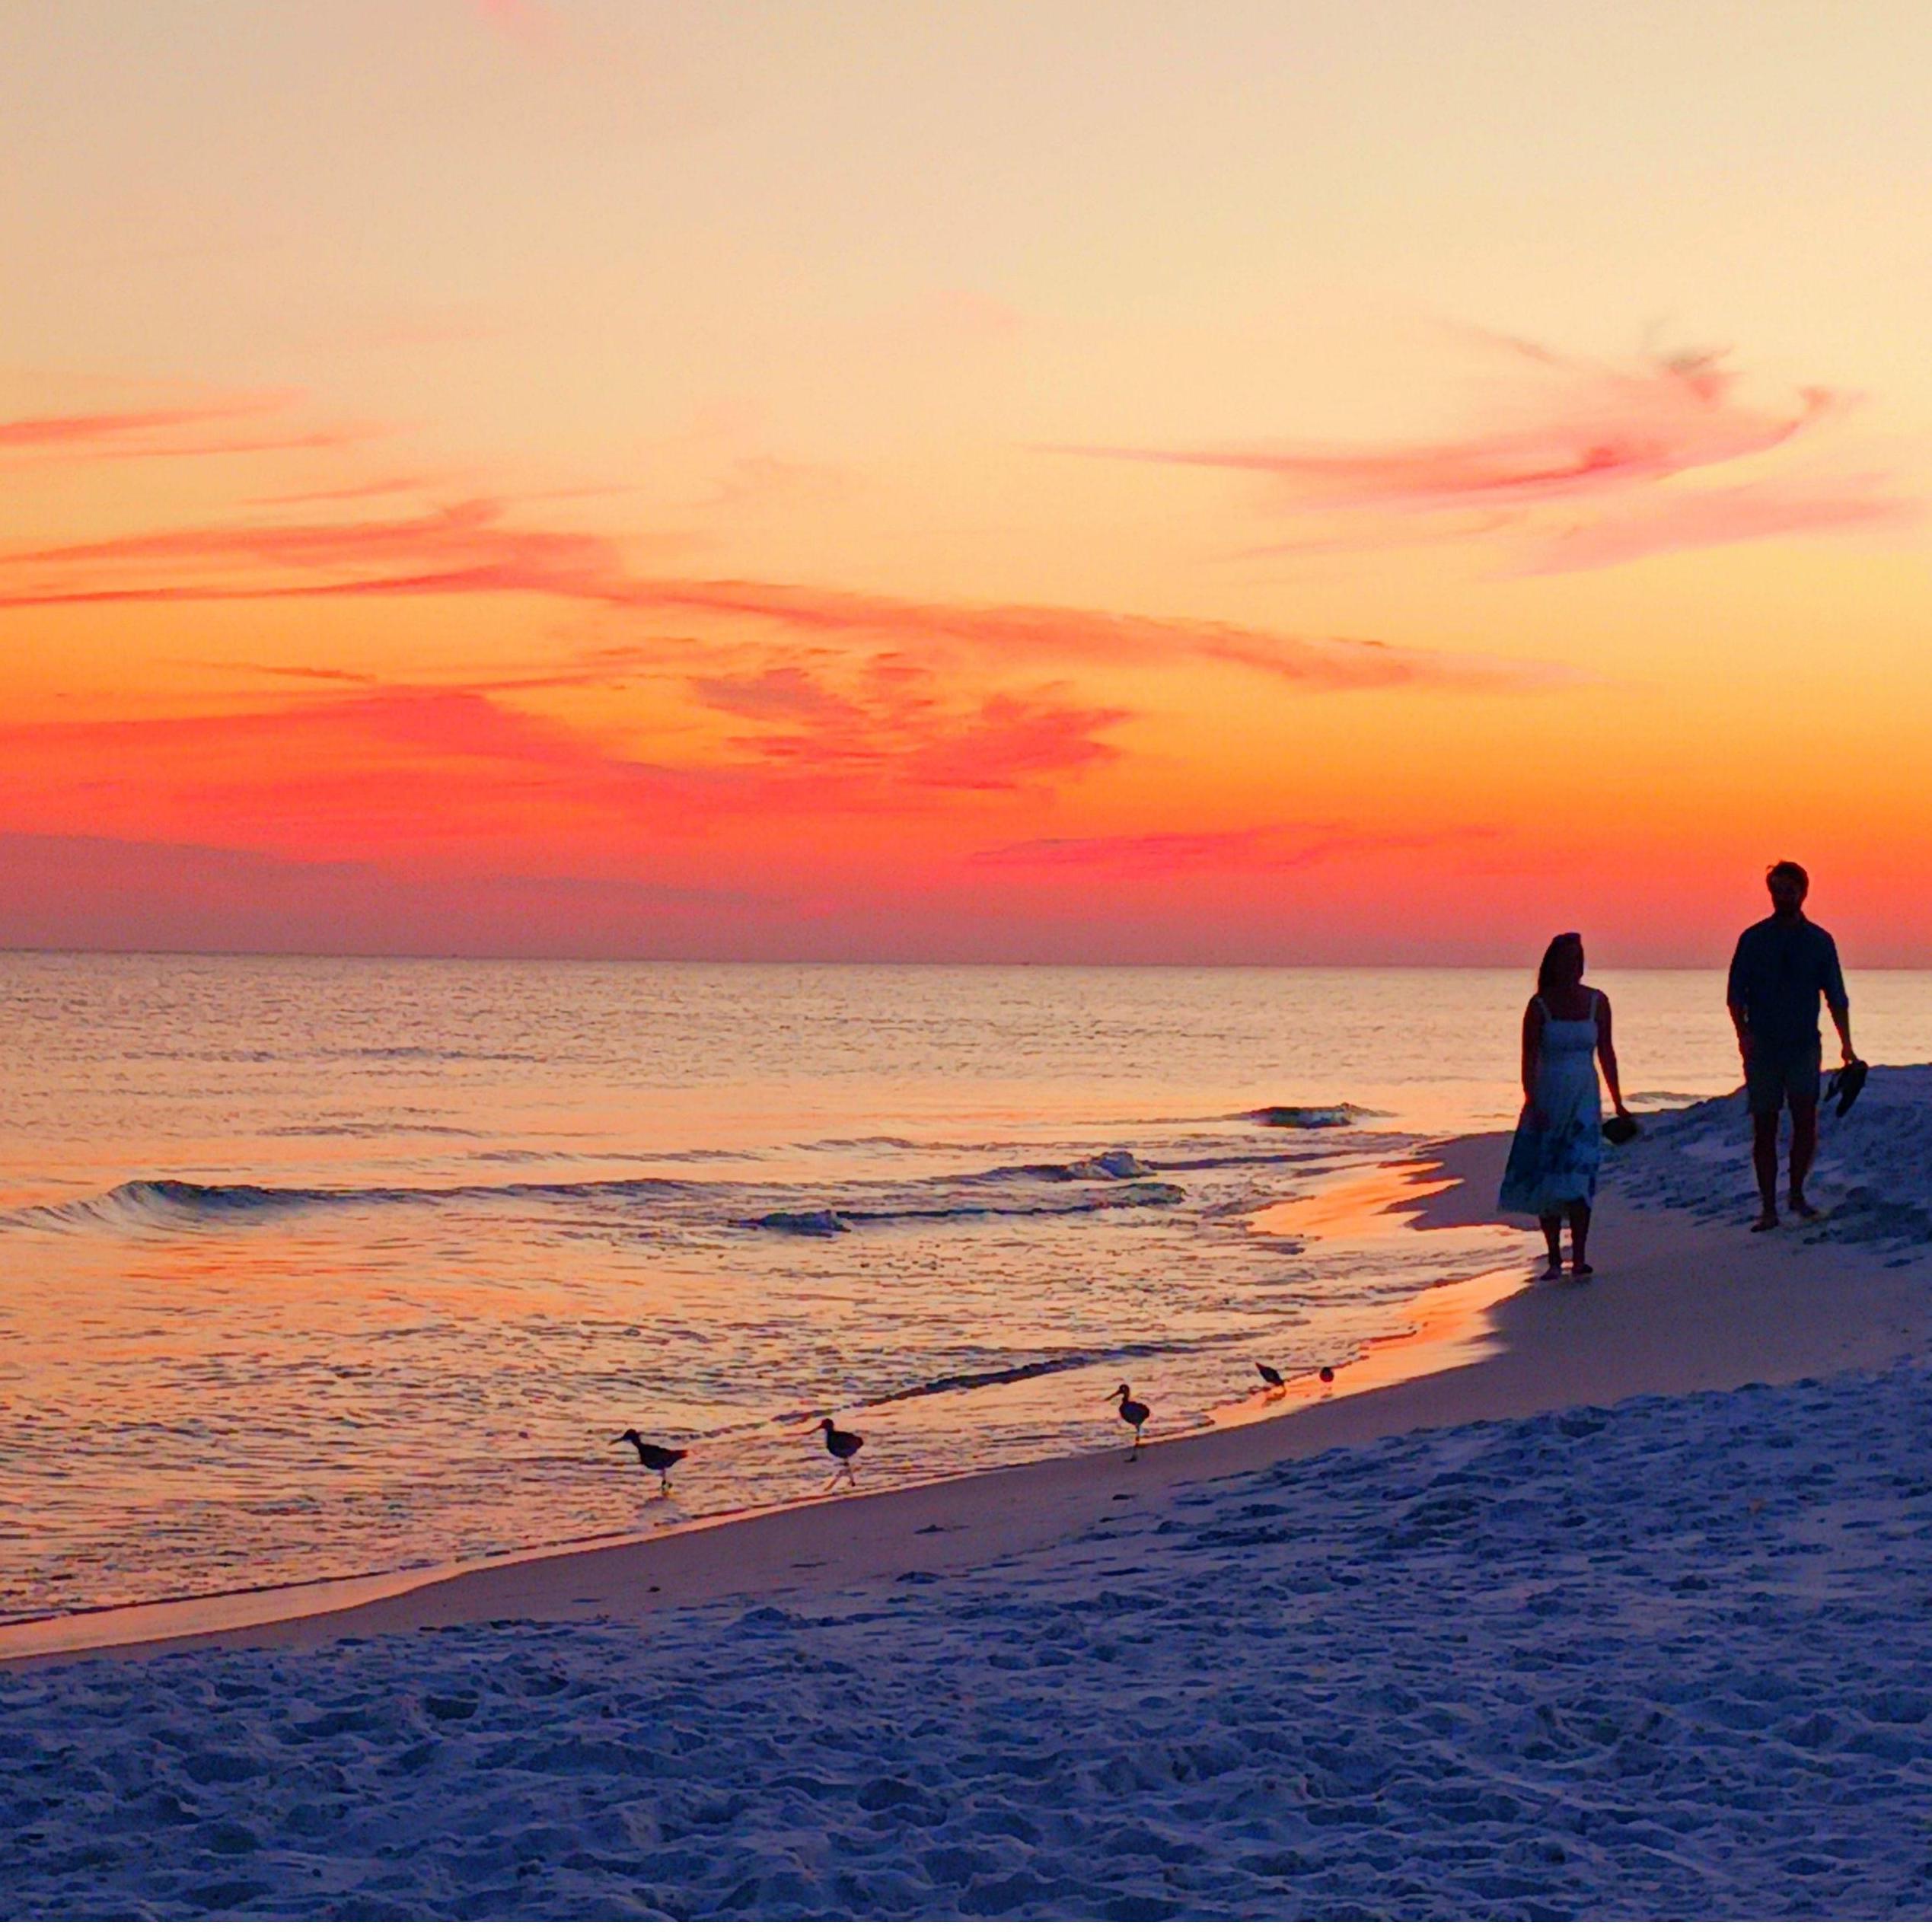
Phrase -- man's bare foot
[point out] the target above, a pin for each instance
(1804, 1211)
(1580, 1270)
(1555, 1271)
(1765, 1222)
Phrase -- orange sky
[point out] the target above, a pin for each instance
(1068, 481)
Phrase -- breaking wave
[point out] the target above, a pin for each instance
(1341, 1115)
(1041, 1188)
(181, 1203)
(822, 1222)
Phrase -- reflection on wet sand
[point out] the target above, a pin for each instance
(1367, 1207)
(1443, 1326)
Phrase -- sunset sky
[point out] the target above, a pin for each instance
(1371, 481)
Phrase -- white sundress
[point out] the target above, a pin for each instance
(1554, 1165)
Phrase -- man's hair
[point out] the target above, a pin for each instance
(1789, 868)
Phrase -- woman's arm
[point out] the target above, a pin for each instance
(1532, 1048)
(1606, 1051)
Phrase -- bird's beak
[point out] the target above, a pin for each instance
(617, 1439)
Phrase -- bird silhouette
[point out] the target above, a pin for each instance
(1134, 1414)
(1328, 1375)
(844, 1444)
(1269, 1375)
(655, 1457)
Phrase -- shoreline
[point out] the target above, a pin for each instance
(1441, 1323)
(1722, 1312)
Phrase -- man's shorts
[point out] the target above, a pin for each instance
(1782, 1072)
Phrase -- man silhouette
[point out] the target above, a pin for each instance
(1781, 966)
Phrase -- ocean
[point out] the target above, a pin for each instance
(322, 1268)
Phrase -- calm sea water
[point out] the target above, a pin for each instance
(312, 1268)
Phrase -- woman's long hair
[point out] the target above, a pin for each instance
(1549, 974)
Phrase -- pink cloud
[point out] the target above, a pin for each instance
(420, 768)
(900, 722)
(1057, 632)
(755, 482)
(1249, 848)
(1740, 514)
(337, 743)
(1013, 739)
(394, 485)
(131, 433)
(323, 673)
(780, 692)
(188, 429)
(1563, 432)
(468, 549)
(457, 540)
(1589, 429)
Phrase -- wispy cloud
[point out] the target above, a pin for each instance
(469, 549)
(1565, 433)
(320, 673)
(1059, 633)
(1739, 513)
(416, 763)
(994, 743)
(759, 483)
(210, 425)
(409, 485)
(398, 767)
(1589, 429)
(780, 694)
(1249, 848)
(116, 429)
(884, 717)
(465, 546)
(1012, 738)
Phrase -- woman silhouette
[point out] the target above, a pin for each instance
(1559, 1142)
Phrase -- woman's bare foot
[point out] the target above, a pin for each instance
(1804, 1211)
(1580, 1270)
(1765, 1222)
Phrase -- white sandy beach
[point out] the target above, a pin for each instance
(1617, 1610)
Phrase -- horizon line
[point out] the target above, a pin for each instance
(953, 965)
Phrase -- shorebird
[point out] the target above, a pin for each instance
(1269, 1375)
(843, 1444)
(1328, 1375)
(655, 1457)
(1134, 1414)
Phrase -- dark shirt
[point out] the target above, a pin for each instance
(1777, 974)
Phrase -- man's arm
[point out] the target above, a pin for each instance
(1735, 998)
(1836, 999)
